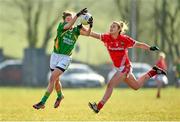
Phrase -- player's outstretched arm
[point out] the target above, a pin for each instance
(145, 46)
(71, 23)
(95, 35)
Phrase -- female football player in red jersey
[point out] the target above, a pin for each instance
(117, 45)
(160, 79)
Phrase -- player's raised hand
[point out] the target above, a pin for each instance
(81, 12)
(154, 48)
(79, 26)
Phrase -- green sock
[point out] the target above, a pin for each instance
(59, 94)
(45, 97)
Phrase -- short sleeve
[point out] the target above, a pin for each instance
(104, 37)
(129, 41)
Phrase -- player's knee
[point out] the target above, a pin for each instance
(136, 87)
(57, 82)
(52, 79)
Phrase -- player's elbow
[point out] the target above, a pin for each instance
(67, 26)
(136, 87)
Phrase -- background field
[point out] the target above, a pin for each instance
(125, 104)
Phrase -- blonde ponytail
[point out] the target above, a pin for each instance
(123, 26)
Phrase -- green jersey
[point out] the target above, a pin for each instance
(65, 39)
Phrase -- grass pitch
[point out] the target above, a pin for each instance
(125, 104)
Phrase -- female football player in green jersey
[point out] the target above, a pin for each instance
(64, 43)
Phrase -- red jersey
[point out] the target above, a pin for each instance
(161, 63)
(118, 48)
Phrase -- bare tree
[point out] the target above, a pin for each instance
(32, 11)
(156, 21)
(31, 18)
(166, 18)
(173, 16)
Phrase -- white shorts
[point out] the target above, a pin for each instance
(59, 61)
(162, 78)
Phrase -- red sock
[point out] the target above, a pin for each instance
(100, 105)
(152, 72)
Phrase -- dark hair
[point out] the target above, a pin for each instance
(65, 14)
